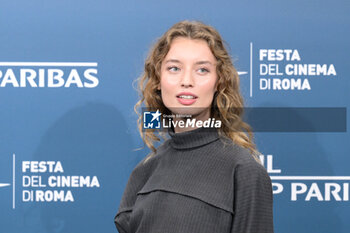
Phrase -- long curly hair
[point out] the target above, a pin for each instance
(227, 100)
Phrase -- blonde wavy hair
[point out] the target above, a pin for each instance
(227, 100)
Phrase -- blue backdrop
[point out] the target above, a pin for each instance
(66, 95)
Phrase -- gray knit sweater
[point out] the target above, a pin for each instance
(196, 183)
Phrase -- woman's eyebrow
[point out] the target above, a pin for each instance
(172, 60)
(203, 62)
(197, 63)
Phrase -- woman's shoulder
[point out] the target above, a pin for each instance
(150, 160)
(238, 155)
(247, 170)
(246, 165)
(138, 177)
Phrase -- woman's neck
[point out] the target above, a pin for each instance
(199, 117)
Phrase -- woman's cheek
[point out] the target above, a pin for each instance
(170, 81)
(167, 96)
(207, 95)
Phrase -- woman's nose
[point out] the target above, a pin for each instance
(187, 79)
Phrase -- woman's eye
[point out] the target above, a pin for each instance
(173, 68)
(203, 70)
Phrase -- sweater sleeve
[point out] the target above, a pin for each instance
(253, 199)
(135, 182)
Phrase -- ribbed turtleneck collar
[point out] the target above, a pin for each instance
(193, 138)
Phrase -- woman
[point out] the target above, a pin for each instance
(200, 179)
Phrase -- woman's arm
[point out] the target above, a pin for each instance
(253, 199)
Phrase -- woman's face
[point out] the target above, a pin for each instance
(188, 78)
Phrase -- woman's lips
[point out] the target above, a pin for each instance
(186, 101)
